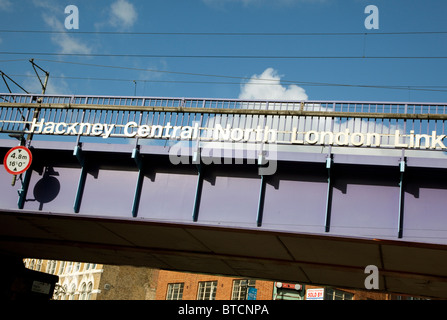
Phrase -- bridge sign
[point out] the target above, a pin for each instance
(17, 160)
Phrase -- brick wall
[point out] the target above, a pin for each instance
(191, 285)
(127, 283)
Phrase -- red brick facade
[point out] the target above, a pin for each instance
(191, 284)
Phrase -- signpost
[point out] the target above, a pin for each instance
(17, 160)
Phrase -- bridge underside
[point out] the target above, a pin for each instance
(304, 224)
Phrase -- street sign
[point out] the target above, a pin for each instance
(17, 160)
(315, 294)
(252, 293)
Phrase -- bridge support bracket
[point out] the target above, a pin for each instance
(327, 222)
(260, 213)
(196, 161)
(400, 223)
(24, 189)
(138, 161)
(79, 154)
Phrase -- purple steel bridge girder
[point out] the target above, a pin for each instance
(323, 215)
(357, 199)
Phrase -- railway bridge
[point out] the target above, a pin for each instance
(310, 192)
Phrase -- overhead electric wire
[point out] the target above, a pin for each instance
(230, 77)
(272, 82)
(259, 81)
(133, 55)
(226, 33)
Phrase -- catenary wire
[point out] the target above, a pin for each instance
(272, 82)
(226, 33)
(259, 81)
(132, 55)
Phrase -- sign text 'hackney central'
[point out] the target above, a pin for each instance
(258, 134)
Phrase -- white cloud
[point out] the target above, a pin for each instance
(267, 86)
(221, 3)
(66, 42)
(123, 14)
(5, 5)
(55, 86)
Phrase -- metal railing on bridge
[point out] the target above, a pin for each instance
(17, 112)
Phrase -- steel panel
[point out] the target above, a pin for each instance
(230, 200)
(295, 201)
(8, 193)
(158, 191)
(365, 203)
(53, 191)
(109, 193)
(425, 203)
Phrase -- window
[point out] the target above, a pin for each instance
(69, 267)
(51, 266)
(83, 292)
(62, 267)
(89, 266)
(207, 290)
(64, 292)
(39, 264)
(332, 294)
(240, 289)
(175, 291)
(71, 294)
(89, 291)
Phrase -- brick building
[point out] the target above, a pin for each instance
(189, 286)
(89, 281)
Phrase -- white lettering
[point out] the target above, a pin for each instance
(128, 125)
(372, 281)
(218, 131)
(34, 125)
(258, 135)
(72, 21)
(108, 130)
(426, 138)
(397, 143)
(307, 137)
(206, 311)
(344, 135)
(85, 125)
(357, 142)
(186, 133)
(372, 21)
(244, 309)
(97, 129)
(158, 128)
(237, 134)
(72, 129)
(143, 131)
(167, 128)
(58, 130)
(294, 139)
(437, 140)
(49, 128)
(373, 136)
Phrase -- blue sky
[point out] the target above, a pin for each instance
(185, 65)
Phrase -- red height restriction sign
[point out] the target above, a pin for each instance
(17, 160)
